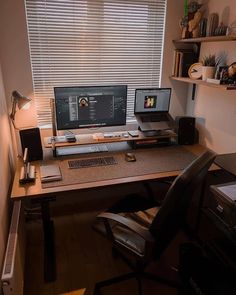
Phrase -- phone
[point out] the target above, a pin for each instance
(70, 138)
(134, 133)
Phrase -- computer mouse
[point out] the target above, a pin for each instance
(130, 157)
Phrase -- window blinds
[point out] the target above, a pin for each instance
(94, 42)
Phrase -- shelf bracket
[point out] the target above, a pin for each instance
(193, 91)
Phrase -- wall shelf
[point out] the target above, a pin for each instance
(207, 39)
(200, 82)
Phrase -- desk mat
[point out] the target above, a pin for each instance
(149, 161)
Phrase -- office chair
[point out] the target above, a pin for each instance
(136, 237)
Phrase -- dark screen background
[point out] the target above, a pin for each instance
(78, 107)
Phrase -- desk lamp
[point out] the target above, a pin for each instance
(20, 101)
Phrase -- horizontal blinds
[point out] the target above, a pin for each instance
(94, 42)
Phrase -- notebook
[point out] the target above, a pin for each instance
(50, 172)
(151, 108)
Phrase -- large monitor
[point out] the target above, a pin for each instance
(90, 106)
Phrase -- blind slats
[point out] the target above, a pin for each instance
(94, 42)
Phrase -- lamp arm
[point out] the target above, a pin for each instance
(13, 110)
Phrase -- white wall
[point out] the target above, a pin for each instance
(172, 32)
(215, 117)
(6, 170)
(216, 109)
(15, 58)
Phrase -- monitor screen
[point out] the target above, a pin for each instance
(90, 106)
(152, 100)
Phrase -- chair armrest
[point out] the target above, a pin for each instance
(130, 224)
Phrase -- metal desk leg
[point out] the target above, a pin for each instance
(49, 243)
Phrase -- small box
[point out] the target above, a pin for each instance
(225, 195)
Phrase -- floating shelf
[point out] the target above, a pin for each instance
(207, 39)
(200, 82)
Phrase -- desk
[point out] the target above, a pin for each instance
(42, 195)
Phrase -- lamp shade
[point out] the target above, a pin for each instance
(17, 100)
(20, 99)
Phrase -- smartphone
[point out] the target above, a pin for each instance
(133, 133)
(70, 138)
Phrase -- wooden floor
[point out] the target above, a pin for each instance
(83, 258)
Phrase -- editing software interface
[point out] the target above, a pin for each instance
(90, 106)
(152, 100)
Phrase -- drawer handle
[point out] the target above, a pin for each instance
(220, 208)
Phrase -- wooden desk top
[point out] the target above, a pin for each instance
(32, 190)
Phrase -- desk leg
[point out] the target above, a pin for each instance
(49, 243)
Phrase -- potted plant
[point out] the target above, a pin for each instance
(209, 64)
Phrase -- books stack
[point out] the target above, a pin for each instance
(183, 59)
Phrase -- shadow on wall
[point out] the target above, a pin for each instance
(201, 127)
(225, 16)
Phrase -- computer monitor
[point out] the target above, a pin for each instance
(90, 106)
(151, 109)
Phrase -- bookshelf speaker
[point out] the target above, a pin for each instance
(30, 138)
(186, 130)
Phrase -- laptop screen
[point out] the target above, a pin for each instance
(152, 100)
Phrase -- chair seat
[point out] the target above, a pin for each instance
(129, 239)
(144, 218)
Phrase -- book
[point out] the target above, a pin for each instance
(183, 59)
(50, 172)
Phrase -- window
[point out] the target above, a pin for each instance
(94, 42)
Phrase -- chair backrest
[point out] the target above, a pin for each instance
(172, 214)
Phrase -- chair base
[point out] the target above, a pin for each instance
(138, 276)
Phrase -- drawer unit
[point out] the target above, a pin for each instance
(225, 208)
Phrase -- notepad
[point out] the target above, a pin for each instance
(229, 191)
(50, 172)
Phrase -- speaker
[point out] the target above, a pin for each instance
(30, 138)
(186, 130)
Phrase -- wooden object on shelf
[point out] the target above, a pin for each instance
(207, 39)
(204, 83)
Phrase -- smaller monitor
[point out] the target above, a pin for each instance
(151, 109)
(90, 106)
(151, 100)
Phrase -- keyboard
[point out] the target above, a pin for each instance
(82, 149)
(92, 162)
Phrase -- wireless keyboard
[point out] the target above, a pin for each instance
(92, 162)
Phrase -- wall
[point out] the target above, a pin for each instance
(6, 169)
(216, 109)
(15, 57)
(172, 32)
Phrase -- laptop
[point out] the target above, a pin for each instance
(151, 108)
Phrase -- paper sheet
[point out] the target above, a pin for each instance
(229, 191)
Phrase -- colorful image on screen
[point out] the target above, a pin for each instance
(150, 102)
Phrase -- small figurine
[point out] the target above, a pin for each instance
(193, 24)
(190, 22)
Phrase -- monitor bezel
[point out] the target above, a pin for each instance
(90, 126)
